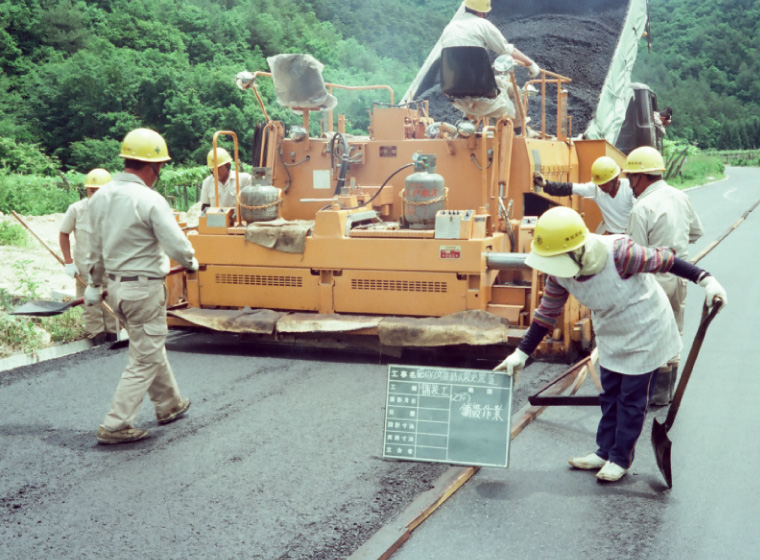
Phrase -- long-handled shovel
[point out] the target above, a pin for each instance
(60, 260)
(660, 440)
(41, 308)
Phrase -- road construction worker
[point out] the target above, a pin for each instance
(227, 185)
(99, 325)
(635, 330)
(612, 194)
(133, 231)
(470, 28)
(662, 216)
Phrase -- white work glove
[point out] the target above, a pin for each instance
(70, 269)
(193, 265)
(534, 70)
(93, 295)
(713, 290)
(538, 180)
(514, 363)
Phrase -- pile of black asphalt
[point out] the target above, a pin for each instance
(574, 39)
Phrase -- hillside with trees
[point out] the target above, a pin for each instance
(705, 63)
(76, 75)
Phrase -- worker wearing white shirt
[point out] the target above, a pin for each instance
(612, 194)
(470, 28)
(99, 325)
(227, 184)
(662, 216)
(133, 235)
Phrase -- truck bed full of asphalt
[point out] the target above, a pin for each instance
(573, 39)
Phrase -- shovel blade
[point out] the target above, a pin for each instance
(43, 308)
(662, 446)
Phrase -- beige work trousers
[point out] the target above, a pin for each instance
(675, 289)
(96, 319)
(141, 307)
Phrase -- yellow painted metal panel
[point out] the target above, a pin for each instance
(270, 288)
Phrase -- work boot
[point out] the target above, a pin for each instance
(663, 394)
(587, 463)
(98, 339)
(174, 413)
(125, 435)
(611, 472)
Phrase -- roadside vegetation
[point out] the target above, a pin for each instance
(29, 334)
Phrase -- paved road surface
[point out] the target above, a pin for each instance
(540, 508)
(278, 457)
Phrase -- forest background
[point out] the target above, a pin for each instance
(76, 76)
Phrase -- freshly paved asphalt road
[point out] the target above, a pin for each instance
(278, 456)
(540, 508)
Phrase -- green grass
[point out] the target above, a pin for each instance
(13, 234)
(699, 169)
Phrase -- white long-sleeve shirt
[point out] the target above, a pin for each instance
(469, 30)
(615, 210)
(227, 190)
(132, 230)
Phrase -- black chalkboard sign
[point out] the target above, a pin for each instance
(445, 415)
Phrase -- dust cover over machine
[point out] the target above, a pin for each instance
(447, 415)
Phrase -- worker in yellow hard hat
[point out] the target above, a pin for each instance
(662, 216)
(99, 325)
(635, 333)
(227, 185)
(611, 193)
(134, 234)
(470, 28)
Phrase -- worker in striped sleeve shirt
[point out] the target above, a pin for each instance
(634, 325)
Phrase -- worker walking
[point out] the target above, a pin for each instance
(99, 325)
(470, 28)
(662, 216)
(635, 330)
(227, 184)
(612, 194)
(133, 230)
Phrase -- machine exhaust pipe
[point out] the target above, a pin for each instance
(506, 261)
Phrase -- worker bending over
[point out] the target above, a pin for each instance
(471, 29)
(662, 216)
(99, 325)
(227, 184)
(635, 330)
(133, 230)
(612, 194)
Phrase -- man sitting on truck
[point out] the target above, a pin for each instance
(612, 194)
(471, 29)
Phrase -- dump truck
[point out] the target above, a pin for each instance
(413, 235)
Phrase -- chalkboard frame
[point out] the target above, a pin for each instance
(473, 429)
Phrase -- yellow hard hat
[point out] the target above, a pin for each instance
(222, 157)
(144, 144)
(645, 160)
(478, 5)
(97, 178)
(559, 232)
(604, 170)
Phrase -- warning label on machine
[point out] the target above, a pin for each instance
(451, 252)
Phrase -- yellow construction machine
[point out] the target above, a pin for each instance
(413, 236)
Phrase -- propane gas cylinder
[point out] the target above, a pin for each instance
(260, 201)
(424, 193)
